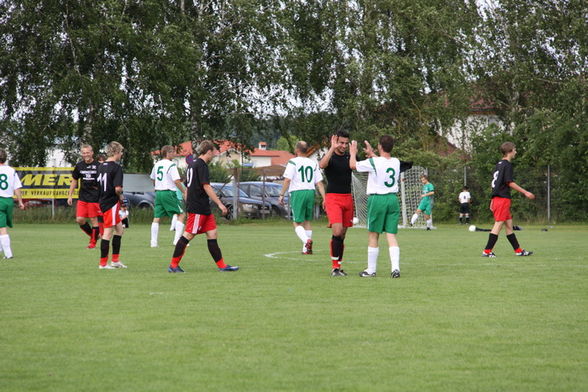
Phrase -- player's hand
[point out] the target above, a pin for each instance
(223, 209)
(69, 201)
(281, 199)
(324, 205)
(369, 151)
(334, 141)
(529, 195)
(353, 147)
(21, 205)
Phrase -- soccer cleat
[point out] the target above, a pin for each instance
(178, 269)
(365, 274)
(117, 264)
(428, 229)
(154, 244)
(523, 253)
(229, 268)
(308, 247)
(7, 258)
(91, 245)
(395, 274)
(338, 272)
(105, 267)
(491, 254)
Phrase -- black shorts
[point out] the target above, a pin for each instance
(464, 208)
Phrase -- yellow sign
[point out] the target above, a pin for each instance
(46, 182)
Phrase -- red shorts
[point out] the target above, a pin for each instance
(501, 209)
(87, 210)
(339, 208)
(112, 216)
(198, 223)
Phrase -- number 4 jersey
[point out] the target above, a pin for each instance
(383, 174)
(303, 174)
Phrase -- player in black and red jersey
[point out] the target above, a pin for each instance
(200, 218)
(502, 182)
(86, 172)
(110, 177)
(338, 202)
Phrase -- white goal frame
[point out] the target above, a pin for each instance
(408, 197)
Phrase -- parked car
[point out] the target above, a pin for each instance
(267, 191)
(248, 207)
(140, 199)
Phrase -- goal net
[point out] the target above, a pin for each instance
(409, 197)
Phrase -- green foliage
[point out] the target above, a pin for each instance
(219, 173)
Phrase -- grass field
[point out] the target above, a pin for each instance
(453, 322)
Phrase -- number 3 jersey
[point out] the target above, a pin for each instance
(383, 174)
(303, 174)
(110, 176)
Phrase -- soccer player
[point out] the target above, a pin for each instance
(465, 198)
(300, 178)
(426, 204)
(110, 177)
(383, 207)
(87, 207)
(200, 218)
(9, 186)
(502, 183)
(338, 202)
(167, 181)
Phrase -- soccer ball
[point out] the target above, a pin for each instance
(355, 220)
(472, 228)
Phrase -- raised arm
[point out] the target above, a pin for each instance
(325, 160)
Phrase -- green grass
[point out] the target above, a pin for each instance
(453, 322)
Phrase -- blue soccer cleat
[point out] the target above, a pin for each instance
(229, 268)
(173, 270)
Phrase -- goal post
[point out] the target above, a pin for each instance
(408, 197)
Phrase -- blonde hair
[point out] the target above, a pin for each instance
(114, 148)
(167, 150)
(204, 147)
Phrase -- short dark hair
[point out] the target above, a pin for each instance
(465, 188)
(3, 156)
(342, 134)
(426, 177)
(387, 142)
(506, 147)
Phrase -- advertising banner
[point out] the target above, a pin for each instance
(46, 182)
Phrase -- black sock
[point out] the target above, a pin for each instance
(86, 229)
(492, 238)
(180, 247)
(214, 250)
(512, 238)
(104, 246)
(116, 244)
(95, 233)
(337, 246)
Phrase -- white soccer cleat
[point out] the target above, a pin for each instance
(154, 244)
(117, 264)
(105, 267)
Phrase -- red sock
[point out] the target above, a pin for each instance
(115, 258)
(518, 250)
(103, 261)
(175, 262)
(487, 251)
(221, 264)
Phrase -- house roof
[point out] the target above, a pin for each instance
(278, 157)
